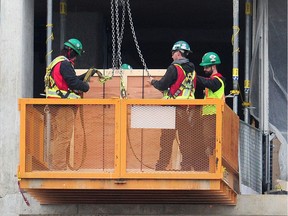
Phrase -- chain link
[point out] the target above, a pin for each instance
(135, 38)
(117, 34)
(117, 60)
(113, 36)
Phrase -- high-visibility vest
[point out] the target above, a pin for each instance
(211, 109)
(51, 88)
(184, 87)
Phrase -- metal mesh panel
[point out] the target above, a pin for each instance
(250, 157)
(154, 145)
(70, 137)
(230, 136)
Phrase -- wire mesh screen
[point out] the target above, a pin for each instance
(250, 157)
(169, 138)
(70, 137)
(230, 138)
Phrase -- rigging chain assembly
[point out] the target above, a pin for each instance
(117, 34)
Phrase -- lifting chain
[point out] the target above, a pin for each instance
(135, 38)
(117, 59)
(118, 33)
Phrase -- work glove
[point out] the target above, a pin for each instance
(89, 74)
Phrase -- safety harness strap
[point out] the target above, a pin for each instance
(187, 85)
(48, 80)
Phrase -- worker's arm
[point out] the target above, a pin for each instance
(212, 83)
(70, 77)
(167, 80)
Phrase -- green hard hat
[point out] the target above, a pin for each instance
(181, 45)
(75, 44)
(210, 58)
(126, 66)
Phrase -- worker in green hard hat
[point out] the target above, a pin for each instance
(213, 82)
(61, 81)
(213, 85)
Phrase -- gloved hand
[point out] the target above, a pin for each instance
(95, 71)
(92, 72)
(89, 73)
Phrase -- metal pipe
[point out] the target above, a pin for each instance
(268, 161)
(49, 33)
(48, 61)
(246, 104)
(264, 87)
(265, 99)
(235, 41)
(47, 134)
(63, 14)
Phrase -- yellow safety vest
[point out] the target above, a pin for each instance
(51, 88)
(211, 109)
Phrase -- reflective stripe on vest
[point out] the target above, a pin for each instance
(56, 93)
(211, 109)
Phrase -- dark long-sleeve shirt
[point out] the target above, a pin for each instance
(211, 83)
(171, 75)
(73, 81)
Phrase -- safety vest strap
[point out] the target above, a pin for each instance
(52, 65)
(48, 80)
(56, 93)
(186, 87)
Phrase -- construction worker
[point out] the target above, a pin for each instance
(177, 83)
(61, 81)
(214, 87)
(62, 78)
(214, 82)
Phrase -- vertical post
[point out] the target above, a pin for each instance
(63, 14)
(49, 33)
(265, 78)
(235, 41)
(49, 51)
(265, 89)
(264, 70)
(246, 104)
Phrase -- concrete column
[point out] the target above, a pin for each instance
(16, 81)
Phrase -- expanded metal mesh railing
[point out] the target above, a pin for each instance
(169, 138)
(250, 157)
(70, 137)
(127, 138)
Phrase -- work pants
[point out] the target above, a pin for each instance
(62, 125)
(184, 125)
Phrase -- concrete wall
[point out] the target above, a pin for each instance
(16, 81)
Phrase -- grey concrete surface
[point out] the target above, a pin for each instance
(16, 81)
